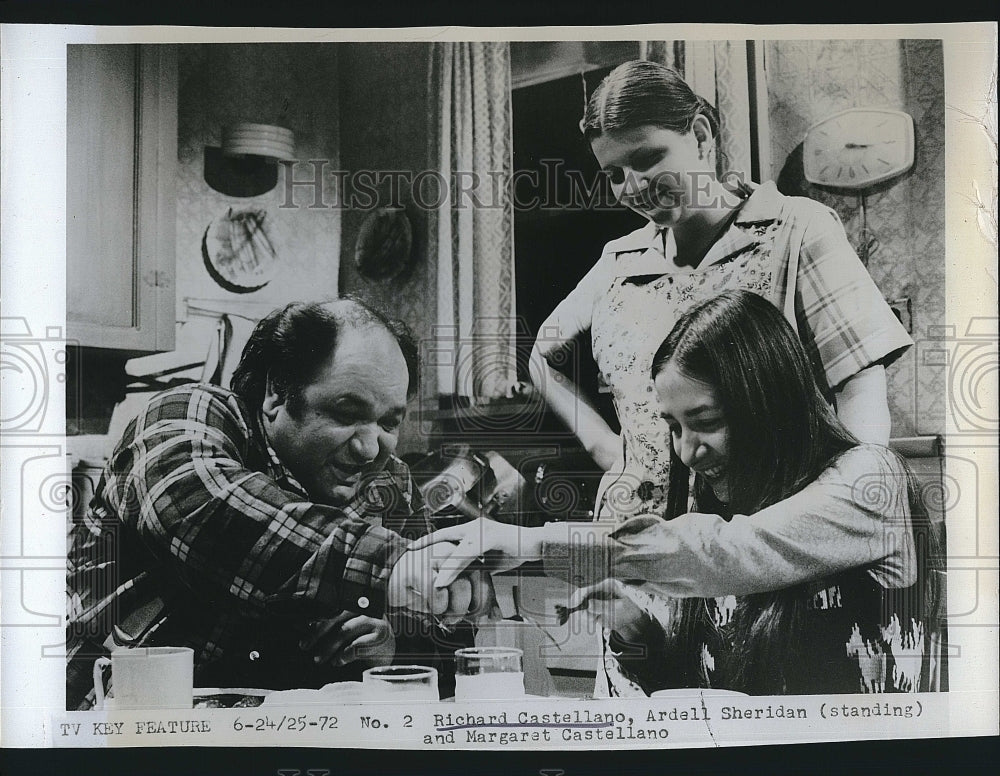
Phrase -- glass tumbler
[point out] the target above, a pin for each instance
(488, 673)
(401, 683)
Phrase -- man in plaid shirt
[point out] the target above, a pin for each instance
(266, 527)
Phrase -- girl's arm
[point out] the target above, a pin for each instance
(863, 406)
(846, 324)
(855, 514)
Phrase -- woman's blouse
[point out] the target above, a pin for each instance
(791, 250)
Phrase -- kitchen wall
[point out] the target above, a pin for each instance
(292, 86)
(365, 108)
(295, 86)
(384, 127)
(809, 80)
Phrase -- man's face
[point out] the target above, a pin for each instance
(347, 421)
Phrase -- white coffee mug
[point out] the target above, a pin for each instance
(147, 678)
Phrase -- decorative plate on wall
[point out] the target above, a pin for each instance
(238, 251)
(382, 250)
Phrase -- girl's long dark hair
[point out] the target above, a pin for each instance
(781, 435)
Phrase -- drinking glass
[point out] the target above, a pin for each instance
(401, 683)
(488, 673)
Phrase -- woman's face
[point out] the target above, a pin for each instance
(699, 431)
(657, 172)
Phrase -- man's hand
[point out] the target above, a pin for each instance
(412, 585)
(348, 637)
(607, 603)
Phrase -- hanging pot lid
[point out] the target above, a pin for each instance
(384, 243)
(264, 140)
(238, 250)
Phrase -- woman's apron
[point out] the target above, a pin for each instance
(630, 321)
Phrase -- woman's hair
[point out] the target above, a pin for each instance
(781, 435)
(642, 93)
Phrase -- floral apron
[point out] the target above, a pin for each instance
(630, 321)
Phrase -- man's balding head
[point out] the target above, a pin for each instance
(290, 345)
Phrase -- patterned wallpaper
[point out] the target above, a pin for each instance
(366, 109)
(289, 85)
(809, 80)
(384, 126)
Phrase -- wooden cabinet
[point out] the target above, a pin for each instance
(120, 196)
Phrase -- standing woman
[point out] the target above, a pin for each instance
(658, 141)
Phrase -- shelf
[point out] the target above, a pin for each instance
(918, 447)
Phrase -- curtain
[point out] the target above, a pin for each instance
(666, 52)
(471, 234)
(718, 71)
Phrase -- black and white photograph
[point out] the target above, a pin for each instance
(618, 389)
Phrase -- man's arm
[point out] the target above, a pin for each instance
(232, 533)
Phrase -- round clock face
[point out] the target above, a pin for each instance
(858, 148)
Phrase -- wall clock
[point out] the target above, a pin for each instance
(857, 148)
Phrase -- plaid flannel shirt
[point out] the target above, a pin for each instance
(194, 508)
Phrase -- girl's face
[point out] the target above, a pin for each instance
(657, 172)
(699, 431)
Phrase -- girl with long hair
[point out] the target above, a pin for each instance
(793, 569)
(708, 230)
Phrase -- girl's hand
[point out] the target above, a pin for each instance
(607, 603)
(413, 584)
(497, 546)
(349, 637)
